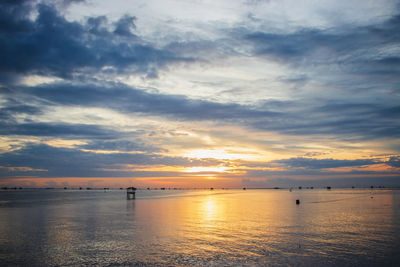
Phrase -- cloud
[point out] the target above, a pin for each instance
(351, 59)
(67, 162)
(394, 161)
(125, 26)
(126, 99)
(310, 163)
(120, 145)
(311, 85)
(352, 121)
(318, 168)
(349, 120)
(286, 182)
(7, 113)
(52, 46)
(76, 131)
(338, 45)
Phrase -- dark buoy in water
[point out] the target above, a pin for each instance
(297, 201)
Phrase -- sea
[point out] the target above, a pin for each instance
(253, 227)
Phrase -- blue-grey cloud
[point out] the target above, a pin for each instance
(286, 182)
(69, 162)
(362, 63)
(313, 163)
(51, 45)
(394, 161)
(130, 100)
(303, 44)
(356, 60)
(315, 173)
(317, 167)
(11, 109)
(350, 120)
(120, 145)
(64, 130)
(310, 163)
(125, 26)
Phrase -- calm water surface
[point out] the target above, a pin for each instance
(200, 228)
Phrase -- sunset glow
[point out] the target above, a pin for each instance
(199, 93)
(207, 169)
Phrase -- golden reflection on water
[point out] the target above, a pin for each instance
(224, 227)
(266, 224)
(209, 209)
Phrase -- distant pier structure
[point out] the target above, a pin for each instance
(131, 193)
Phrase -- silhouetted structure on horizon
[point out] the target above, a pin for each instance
(131, 193)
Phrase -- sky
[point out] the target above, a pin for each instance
(199, 93)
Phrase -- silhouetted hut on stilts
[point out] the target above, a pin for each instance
(131, 192)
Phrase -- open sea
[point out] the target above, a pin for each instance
(340, 227)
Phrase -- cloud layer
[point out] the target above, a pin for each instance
(100, 95)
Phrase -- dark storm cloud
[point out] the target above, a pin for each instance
(51, 45)
(67, 162)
